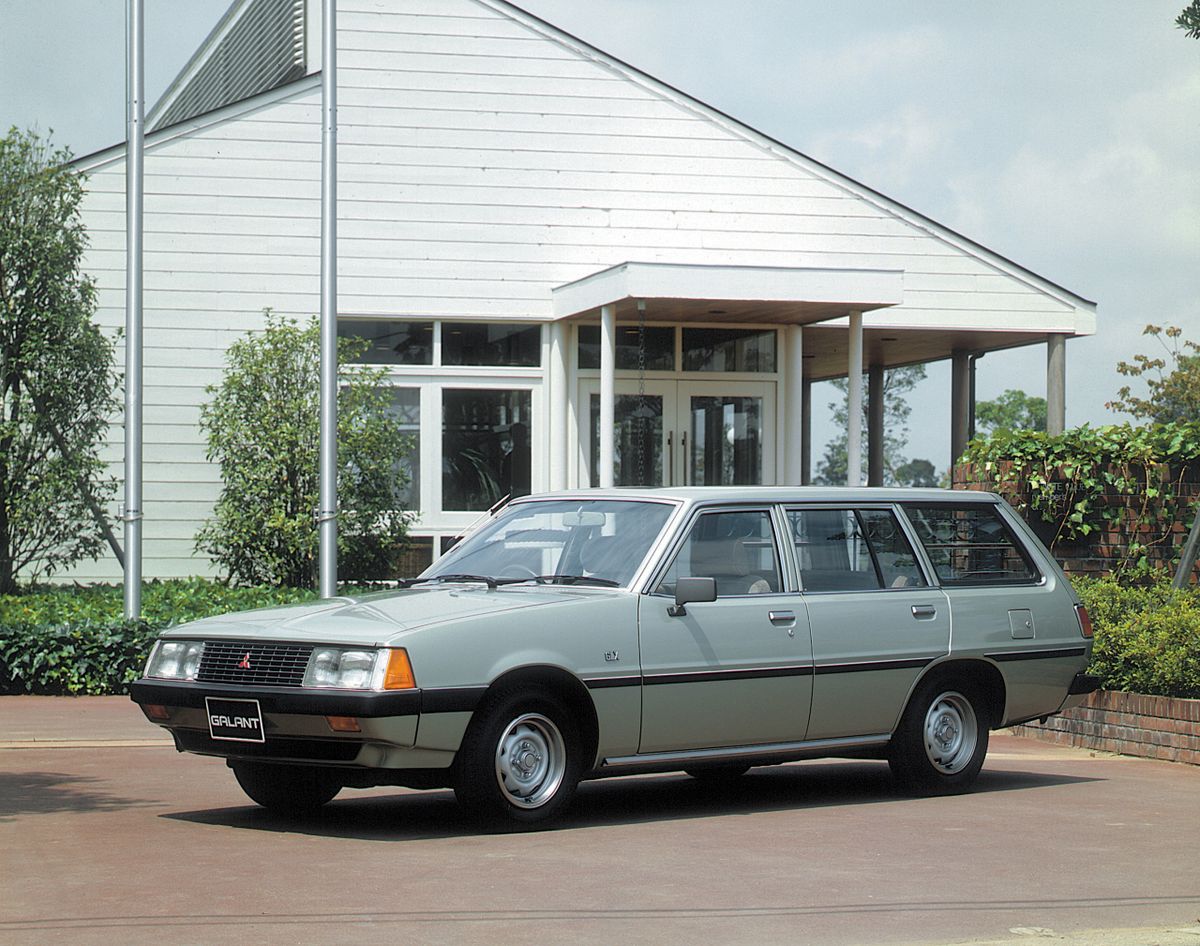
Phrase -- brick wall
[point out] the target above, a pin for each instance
(1152, 727)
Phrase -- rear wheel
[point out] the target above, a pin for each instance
(286, 789)
(520, 760)
(940, 744)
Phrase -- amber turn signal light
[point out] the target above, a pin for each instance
(399, 674)
(343, 723)
(1085, 621)
(157, 711)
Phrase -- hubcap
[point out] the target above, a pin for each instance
(951, 733)
(531, 758)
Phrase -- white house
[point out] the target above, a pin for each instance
(535, 236)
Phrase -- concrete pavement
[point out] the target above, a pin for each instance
(107, 835)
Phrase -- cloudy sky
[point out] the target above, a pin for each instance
(1063, 135)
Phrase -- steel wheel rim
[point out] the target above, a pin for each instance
(531, 760)
(951, 733)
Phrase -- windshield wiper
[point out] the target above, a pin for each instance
(564, 580)
(487, 580)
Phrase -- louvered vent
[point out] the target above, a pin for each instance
(263, 50)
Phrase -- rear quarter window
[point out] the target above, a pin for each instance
(970, 544)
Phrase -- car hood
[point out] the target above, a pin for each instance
(380, 617)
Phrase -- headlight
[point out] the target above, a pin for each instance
(352, 668)
(174, 660)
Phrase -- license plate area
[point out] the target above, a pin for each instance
(234, 720)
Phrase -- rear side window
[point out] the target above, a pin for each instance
(970, 545)
(852, 550)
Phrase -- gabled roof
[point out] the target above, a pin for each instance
(260, 46)
(257, 46)
(786, 152)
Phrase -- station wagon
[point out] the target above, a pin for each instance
(593, 633)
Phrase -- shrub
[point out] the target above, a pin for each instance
(1147, 638)
(83, 658)
(263, 428)
(74, 641)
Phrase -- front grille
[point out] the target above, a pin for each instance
(243, 662)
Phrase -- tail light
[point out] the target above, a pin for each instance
(1085, 622)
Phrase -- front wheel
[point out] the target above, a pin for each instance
(520, 760)
(940, 744)
(286, 789)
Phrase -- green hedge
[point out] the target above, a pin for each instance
(74, 640)
(1147, 638)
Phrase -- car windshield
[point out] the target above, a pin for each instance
(578, 542)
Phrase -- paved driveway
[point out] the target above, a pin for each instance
(116, 841)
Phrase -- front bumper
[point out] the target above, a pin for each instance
(366, 704)
(296, 728)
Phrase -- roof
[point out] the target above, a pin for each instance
(222, 73)
(770, 494)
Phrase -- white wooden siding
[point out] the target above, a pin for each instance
(482, 162)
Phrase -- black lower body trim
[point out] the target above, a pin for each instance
(867, 666)
(1084, 683)
(1037, 654)
(276, 747)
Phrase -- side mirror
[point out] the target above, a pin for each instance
(688, 590)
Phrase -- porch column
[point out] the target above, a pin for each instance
(559, 405)
(794, 422)
(806, 438)
(875, 425)
(608, 388)
(854, 401)
(1056, 384)
(960, 404)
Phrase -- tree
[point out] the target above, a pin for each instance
(1174, 395)
(918, 473)
(263, 428)
(1012, 410)
(1189, 19)
(57, 381)
(897, 382)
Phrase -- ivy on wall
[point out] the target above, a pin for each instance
(1119, 485)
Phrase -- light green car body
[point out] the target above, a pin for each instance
(743, 679)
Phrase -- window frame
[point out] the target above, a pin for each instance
(924, 566)
(684, 530)
(1037, 573)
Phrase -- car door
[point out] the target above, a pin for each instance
(1006, 608)
(876, 621)
(731, 672)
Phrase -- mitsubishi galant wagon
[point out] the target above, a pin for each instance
(585, 634)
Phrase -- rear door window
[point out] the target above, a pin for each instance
(969, 544)
(852, 550)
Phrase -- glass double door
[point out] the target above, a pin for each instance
(686, 433)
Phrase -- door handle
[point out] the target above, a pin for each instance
(923, 612)
(669, 478)
(784, 619)
(687, 472)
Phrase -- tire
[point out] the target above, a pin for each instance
(520, 761)
(718, 774)
(940, 744)
(286, 789)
